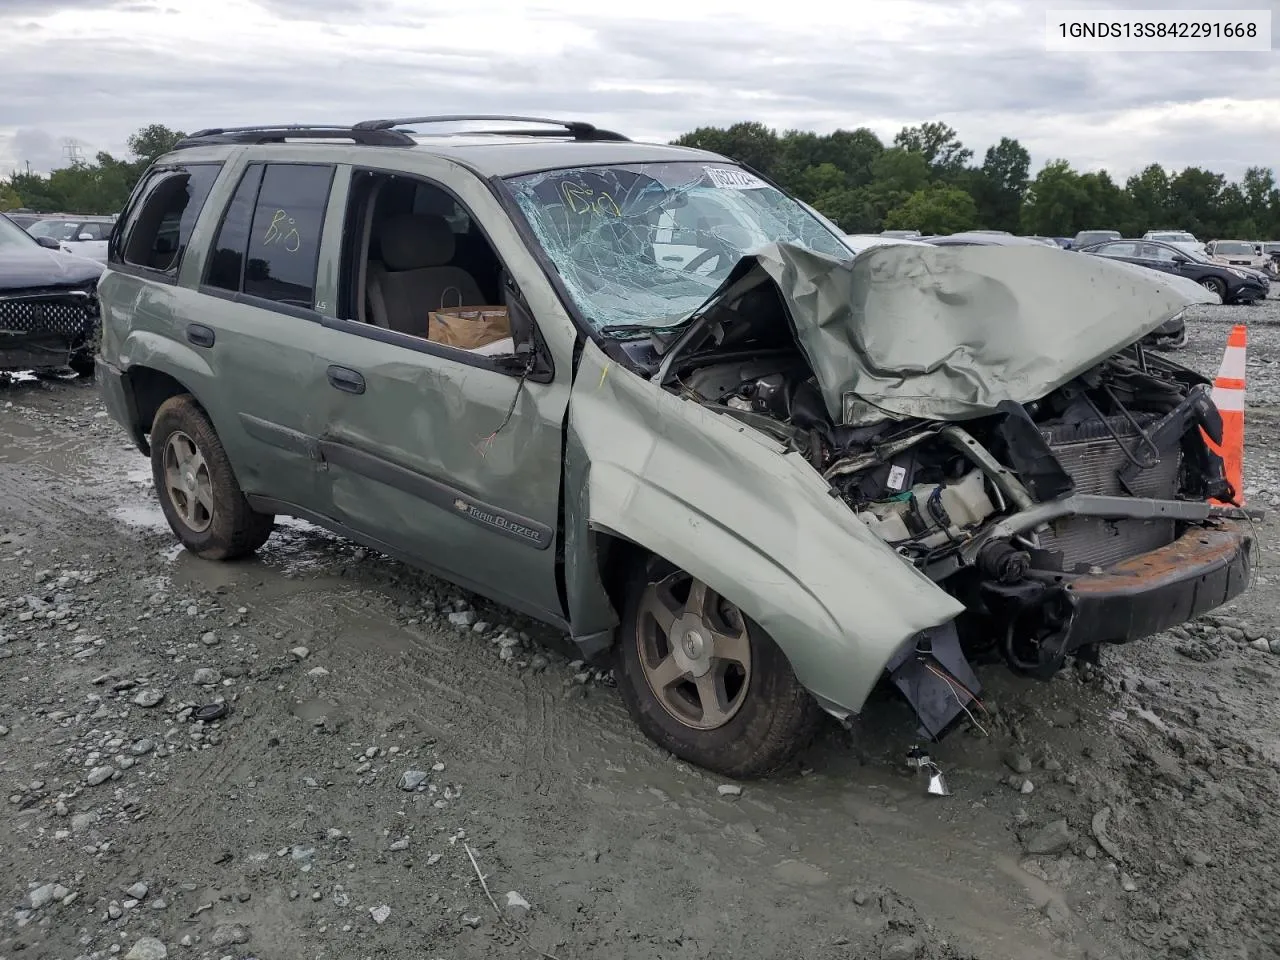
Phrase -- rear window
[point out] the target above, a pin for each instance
(159, 222)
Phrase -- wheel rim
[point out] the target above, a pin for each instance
(1210, 285)
(187, 482)
(695, 651)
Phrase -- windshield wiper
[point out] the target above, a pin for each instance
(633, 331)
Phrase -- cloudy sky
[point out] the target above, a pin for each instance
(96, 70)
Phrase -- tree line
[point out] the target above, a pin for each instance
(100, 186)
(926, 180)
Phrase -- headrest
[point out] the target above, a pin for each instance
(411, 241)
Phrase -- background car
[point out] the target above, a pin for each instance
(1271, 250)
(976, 238)
(1086, 237)
(1236, 253)
(48, 304)
(23, 217)
(1178, 238)
(1231, 284)
(82, 236)
(901, 234)
(857, 242)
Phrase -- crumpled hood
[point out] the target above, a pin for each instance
(948, 333)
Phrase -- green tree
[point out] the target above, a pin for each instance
(152, 141)
(750, 143)
(9, 198)
(852, 152)
(1107, 204)
(1194, 197)
(1058, 203)
(100, 187)
(938, 208)
(999, 185)
(895, 175)
(939, 145)
(1148, 194)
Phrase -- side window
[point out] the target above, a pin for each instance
(1124, 249)
(226, 264)
(284, 237)
(159, 225)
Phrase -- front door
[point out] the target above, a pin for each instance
(447, 456)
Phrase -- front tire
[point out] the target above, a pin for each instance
(198, 492)
(1215, 285)
(704, 681)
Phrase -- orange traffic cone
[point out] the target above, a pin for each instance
(1228, 395)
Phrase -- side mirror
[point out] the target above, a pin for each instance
(1179, 258)
(86, 236)
(48, 243)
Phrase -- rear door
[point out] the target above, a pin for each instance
(259, 328)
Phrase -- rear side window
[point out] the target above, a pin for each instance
(226, 265)
(159, 222)
(268, 243)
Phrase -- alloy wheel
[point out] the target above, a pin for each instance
(695, 651)
(187, 482)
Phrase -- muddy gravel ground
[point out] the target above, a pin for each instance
(384, 729)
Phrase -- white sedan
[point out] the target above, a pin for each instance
(81, 237)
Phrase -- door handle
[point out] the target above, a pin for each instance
(200, 335)
(345, 379)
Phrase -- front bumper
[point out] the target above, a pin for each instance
(45, 328)
(1052, 615)
(25, 350)
(1134, 598)
(1252, 290)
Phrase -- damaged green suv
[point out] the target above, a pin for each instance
(640, 393)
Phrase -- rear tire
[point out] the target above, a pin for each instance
(762, 716)
(198, 491)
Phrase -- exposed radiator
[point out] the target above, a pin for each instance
(1092, 457)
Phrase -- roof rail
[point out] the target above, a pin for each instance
(279, 133)
(579, 129)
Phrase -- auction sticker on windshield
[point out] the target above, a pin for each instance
(731, 178)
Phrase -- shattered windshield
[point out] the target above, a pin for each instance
(645, 244)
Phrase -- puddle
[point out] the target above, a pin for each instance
(147, 516)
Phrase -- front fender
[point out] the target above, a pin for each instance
(757, 524)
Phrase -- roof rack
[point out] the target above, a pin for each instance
(579, 129)
(279, 133)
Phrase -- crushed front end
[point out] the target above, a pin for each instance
(1054, 479)
(47, 327)
(1069, 522)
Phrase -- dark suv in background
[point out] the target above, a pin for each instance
(48, 304)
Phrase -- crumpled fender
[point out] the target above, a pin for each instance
(729, 506)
